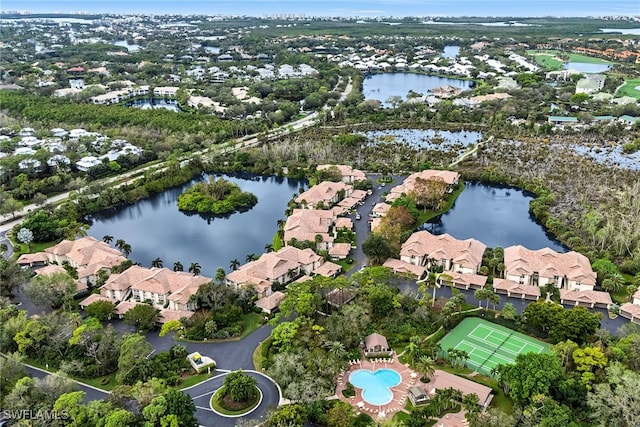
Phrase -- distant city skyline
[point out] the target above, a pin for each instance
(337, 8)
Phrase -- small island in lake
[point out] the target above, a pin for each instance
(216, 197)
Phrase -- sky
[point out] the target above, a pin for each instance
(361, 8)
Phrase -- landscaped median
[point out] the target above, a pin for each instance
(238, 396)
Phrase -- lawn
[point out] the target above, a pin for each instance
(194, 379)
(345, 264)
(546, 58)
(107, 383)
(630, 88)
(574, 57)
(21, 248)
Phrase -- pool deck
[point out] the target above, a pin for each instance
(400, 392)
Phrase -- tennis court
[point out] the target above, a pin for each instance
(489, 345)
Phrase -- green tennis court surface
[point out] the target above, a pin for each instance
(489, 345)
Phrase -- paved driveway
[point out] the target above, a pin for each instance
(201, 395)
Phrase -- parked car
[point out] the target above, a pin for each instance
(358, 215)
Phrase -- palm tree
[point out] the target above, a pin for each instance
(336, 348)
(126, 249)
(412, 351)
(431, 281)
(107, 239)
(156, 263)
(119, 243)
(613, 283)
(177, 266)
(251, 257)
(425, 366)
(234, 264)
(268, 247)
(194, 268)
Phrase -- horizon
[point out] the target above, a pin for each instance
(335, 8)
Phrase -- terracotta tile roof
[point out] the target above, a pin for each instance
(343, 223)
(467, 278)
(305, 224)
(88, 254)
(328, 269)
(340, 250)
(586, 297)
(323, 192)
(381, 208)
(271, 302)
(32, 258)
(50, 269)
(467, 253)
(398, 266)
(636, 294)
(346, 172)
(630, 310)
(93, 298)
(125, 306)
(441, 380)
(548, 263)
(513, 287)
(165, 315)
(370, 341)
(273, 265)
(449, 177)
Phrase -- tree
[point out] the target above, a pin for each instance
(25, 236)
(177, 266)
(543, 315)
(124, 247)
(12, 277)
(52, 290)
(615, 402)
(239, 386)
(181, 405)
(508, 312)
(10, 206)
(195, 268)
(532, 374)
(613, 283)
(341, 414)
(577, 325)
(170, 326)
(101, 310)
(377, 248)
(157, 263)
(143, 316)
(133, 349)
(107, 239)
(234, 264)
(425, 366)
(292, 415)
(220, 275)
(431, 281)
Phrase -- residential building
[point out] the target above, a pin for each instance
(324, 195)
(589, 299)
(282, 267)
(449, 177)
(441, 380)
(87, 255)
(461, 256)
(516, 290)
(570, 270)
(313, 225)
(349, 175)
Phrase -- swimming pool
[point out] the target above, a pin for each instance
(376, 386)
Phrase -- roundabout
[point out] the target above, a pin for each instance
(202, 394)
(217, 405)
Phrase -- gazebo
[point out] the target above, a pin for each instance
(376, 345)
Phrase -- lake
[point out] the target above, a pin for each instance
(154, 104)
(383, 86)
(585, 67)
(154, 227)
(496, 216)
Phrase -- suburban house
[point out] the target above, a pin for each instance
(463, 280)
(441, 380)
(55, 268)
(424, 248)
(570, 270)
(88, 255)
(349, 175)
(402, 267)
(282, 267)
(449, 177)
(162, 287)
(324, 195)
(271, 303)
(631, 310)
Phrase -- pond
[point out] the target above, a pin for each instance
(612, 156)
(451, 51)
(425, 138)
(494, 215)
(585, 67)
(154, 227)
(154, 104)
(383, 86)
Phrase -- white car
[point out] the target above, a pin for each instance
(358, 215)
